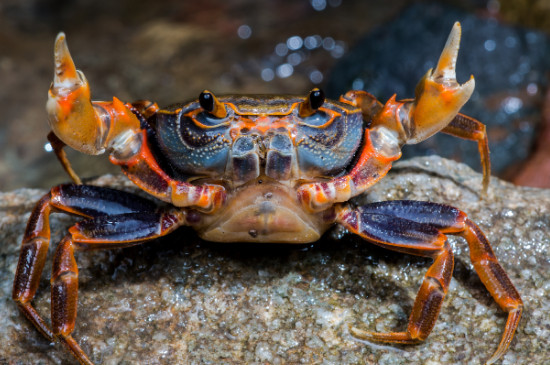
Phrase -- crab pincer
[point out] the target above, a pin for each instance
(89, 127)
(439, 96)
(438, 100)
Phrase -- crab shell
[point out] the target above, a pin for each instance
(260, 150)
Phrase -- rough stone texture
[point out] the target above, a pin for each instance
(180, 300)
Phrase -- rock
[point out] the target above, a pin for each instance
(180, 300)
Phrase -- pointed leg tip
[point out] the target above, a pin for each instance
(358, 333)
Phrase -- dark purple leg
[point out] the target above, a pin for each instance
(419, 228)
(81, 200)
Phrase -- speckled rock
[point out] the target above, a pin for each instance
(181, 300)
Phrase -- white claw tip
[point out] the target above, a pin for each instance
(65, 70)
(447, 61)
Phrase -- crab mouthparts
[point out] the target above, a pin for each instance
(266, 212)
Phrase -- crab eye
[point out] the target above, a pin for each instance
(316, 98)
(206, 100)
(212, 105)
(314, 101)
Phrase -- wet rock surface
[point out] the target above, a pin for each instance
(510, 65)
(182, 300)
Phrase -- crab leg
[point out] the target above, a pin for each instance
(80, 200)
(467, 127)
(96, 204)
(419, 228)
(461, 126)
(438, 99)
(105, 232)
(88, 127)
(58, 148)
(145, 172)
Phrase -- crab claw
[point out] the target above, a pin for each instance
(439, 96)
(445, 70)
(89, 127)
(438, 99)
(71, 114)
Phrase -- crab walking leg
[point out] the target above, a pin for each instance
(496, 281)
(145, 172)
(467, 127)
(80, 200)
(58, 148)
(105, 232)
(419, 228)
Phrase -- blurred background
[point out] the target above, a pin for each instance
(169, 51)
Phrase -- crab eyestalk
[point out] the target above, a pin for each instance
(314, 101)
(89, 127)
(439, 98)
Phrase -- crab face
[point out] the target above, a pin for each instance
(259, 136)
(260, 148)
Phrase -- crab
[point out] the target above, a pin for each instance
(256, 168)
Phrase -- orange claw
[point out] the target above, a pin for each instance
(89, 127)
(439, 98)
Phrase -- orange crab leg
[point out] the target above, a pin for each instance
(57, 146)
(32, 258)
(467, 127)
(145, 172)
(420, 228)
